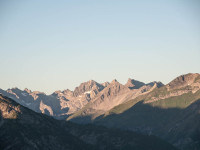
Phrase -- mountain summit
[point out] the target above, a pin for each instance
(88, 87)
(134, 84)
(184, 80)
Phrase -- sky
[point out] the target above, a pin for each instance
(55, 45)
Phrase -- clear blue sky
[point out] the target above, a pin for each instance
(55, 45)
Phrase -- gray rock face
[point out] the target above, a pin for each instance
(105, 84)
(183, 80)
(111, 96)
(88, 87)
(134, 84)
(61, 104)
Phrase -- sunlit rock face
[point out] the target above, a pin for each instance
(134, 84)
(8, 110)
(61, 104)
(185, 80)
(112, 95)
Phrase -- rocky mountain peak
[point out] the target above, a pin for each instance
(88, 86)
(60, 93)
(56, 93)
(27, 90)
(114, 81)
(158, 84)
(105, 84)
(38, 92)
(15, 89)
(67, 92)
(113, 88)
(183, 80)
(134, 84)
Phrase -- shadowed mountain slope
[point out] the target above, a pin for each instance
(171, 112)
(21, 128)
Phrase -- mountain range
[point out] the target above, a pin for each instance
(61, 104)
(24, 129)
(170, 112)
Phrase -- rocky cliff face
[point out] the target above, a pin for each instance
(111, 96)
(177, 87)
(183, 80)
(91, 87)
(134, 84)
(61, 104)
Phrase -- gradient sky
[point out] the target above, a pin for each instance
(55, 45)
